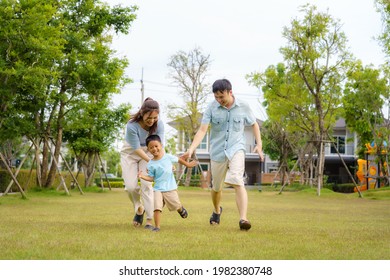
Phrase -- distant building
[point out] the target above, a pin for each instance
(345, 141)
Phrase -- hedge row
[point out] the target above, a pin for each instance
(26, 183)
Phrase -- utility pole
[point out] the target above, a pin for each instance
(142, 86)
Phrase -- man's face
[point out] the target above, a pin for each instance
(224, 98)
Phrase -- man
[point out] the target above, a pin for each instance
(227, 117)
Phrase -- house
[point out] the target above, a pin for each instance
(346, 143)
(253, 166)
(344, 140)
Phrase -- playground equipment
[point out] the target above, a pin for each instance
(373, 172)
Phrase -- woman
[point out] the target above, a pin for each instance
(134, 158)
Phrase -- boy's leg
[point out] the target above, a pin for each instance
(172, 201)
(158, 206)
(157, 218)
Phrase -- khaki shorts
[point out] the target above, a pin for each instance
(170, 199)
(229, 172)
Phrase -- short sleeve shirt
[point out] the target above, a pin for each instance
(135, 135)
(227, 128)
(162, 172)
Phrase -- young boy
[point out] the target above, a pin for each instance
(160, 170)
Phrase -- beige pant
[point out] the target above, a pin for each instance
(170, 199)
(140, 195)
(229, 172)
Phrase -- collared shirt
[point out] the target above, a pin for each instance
(227, 128)
(135, 135)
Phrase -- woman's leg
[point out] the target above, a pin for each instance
(129, 163)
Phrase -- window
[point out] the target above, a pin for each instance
(204, 144)
(339, 142)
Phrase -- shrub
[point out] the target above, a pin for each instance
(28, 183)
(114, 182)
(343, 188)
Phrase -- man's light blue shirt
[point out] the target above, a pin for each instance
(227, 128)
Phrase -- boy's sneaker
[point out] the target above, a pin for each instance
(156, 229)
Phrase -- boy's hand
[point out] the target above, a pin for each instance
(193, 163)
(187, 154)
(140, 174)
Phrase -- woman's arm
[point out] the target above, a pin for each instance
(141, 153)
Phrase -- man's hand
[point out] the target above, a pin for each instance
(187, 155)
(259, 150)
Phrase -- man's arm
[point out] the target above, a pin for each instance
(196, 141)
(259, 144)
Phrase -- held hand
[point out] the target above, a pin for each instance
(193, 163)
(140, 174)
(187, 155)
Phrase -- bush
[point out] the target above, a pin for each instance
(114, 182)
(28, 183)
(343, 188)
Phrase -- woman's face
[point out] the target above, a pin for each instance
(150, 118)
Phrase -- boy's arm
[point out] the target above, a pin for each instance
(145, 177)
(259, 144)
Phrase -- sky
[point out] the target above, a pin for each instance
(241, 37)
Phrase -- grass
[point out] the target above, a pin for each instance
(295, 225)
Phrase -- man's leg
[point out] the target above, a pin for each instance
(242, 201)
(216, 199)
(218, 173)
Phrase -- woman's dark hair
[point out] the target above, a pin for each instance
(148, 106)
(222, 85)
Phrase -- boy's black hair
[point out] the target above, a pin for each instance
(153, 137)
(222, 85)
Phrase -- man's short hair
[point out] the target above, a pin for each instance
(222, 85)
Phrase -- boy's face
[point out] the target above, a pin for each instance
(224, 98)
(155, 148)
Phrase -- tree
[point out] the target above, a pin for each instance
(291, 117)
(364, 97)
(317, 52)
(29, 43)
(383, 7)
(189, 73)
(57, 58)
(308, 88)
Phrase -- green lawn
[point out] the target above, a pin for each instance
(291, 226)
